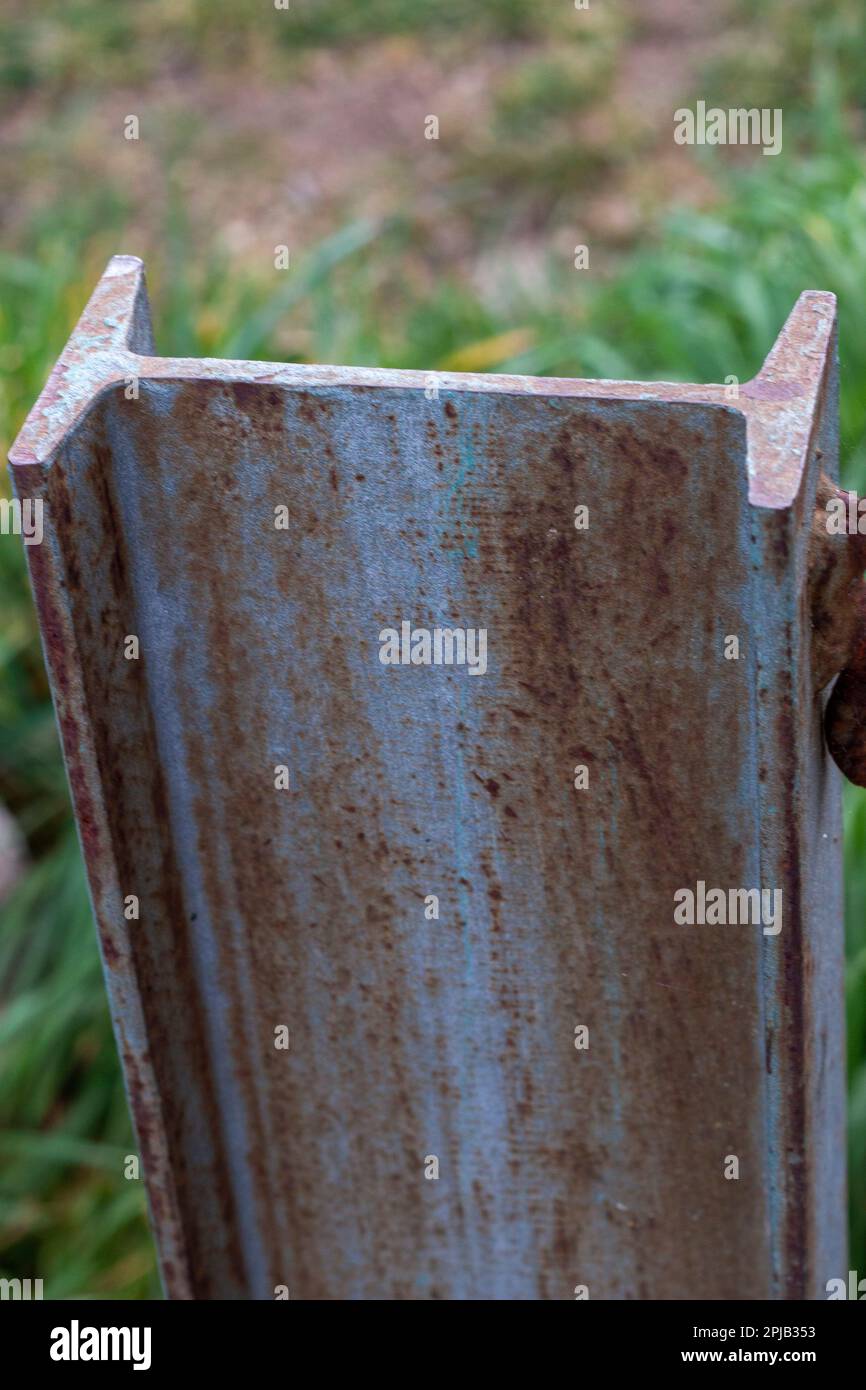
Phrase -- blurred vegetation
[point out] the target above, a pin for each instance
(698, 294)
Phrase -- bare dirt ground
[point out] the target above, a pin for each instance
(258, 159)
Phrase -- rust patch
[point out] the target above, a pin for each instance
(837, 604)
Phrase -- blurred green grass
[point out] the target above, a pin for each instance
(700, 298)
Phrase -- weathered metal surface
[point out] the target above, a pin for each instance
(846, 708)
(836, 589)
(837, 560)
(450, 501)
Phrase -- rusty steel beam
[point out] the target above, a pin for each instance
(582, 1067)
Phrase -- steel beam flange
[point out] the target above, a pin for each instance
(402, 713)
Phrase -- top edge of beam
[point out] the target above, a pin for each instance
(112, 342)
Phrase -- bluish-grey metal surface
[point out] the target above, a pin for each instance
(449, 502)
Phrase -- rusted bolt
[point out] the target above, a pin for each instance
(837, 593)
(845, 719)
